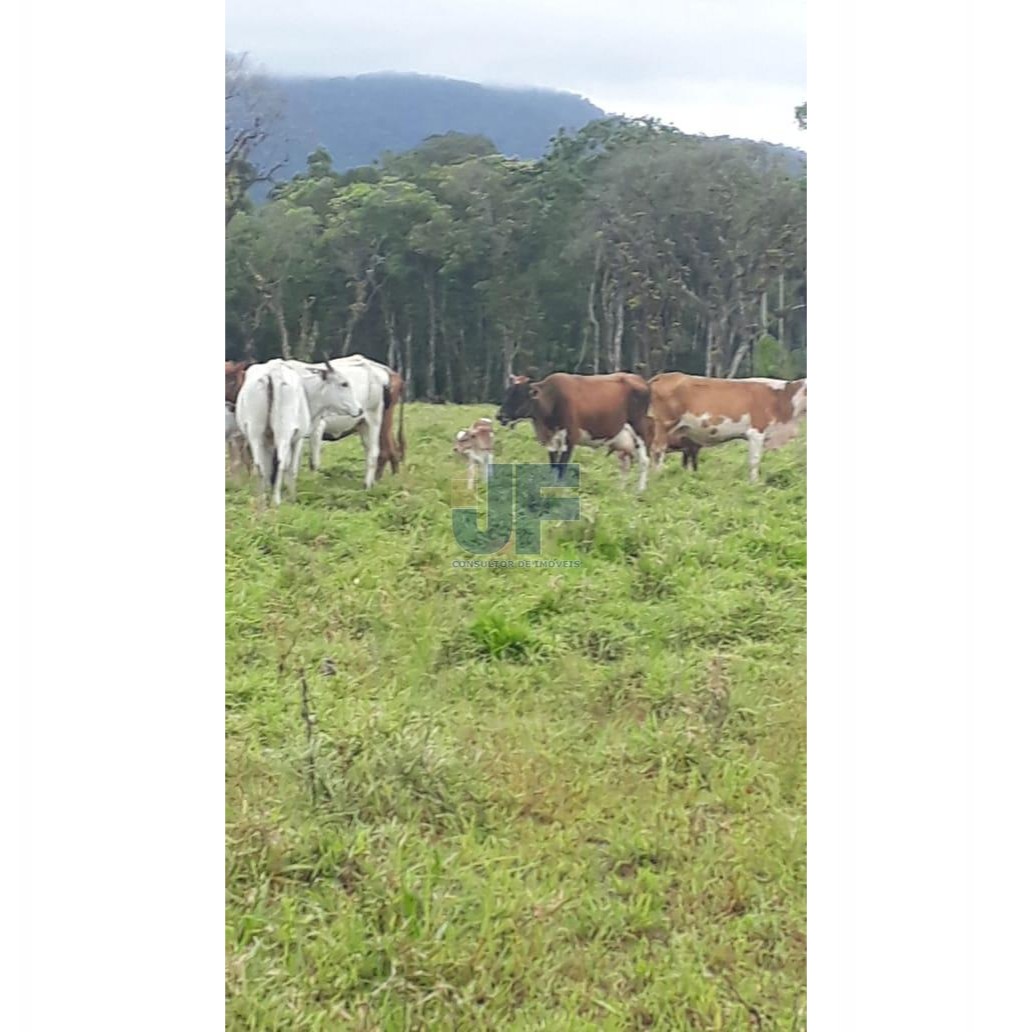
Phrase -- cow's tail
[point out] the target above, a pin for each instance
(639, 409)
(272, 432)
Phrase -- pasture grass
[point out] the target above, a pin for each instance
(568, 798)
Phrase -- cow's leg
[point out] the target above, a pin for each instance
(315, 443)
(489, 462)
(755, 439)
(386, 445)
(263, 455)
(471, 473)
(659, 444)
(284, 458)
(564, 461)
(371, 442)
(295, 463)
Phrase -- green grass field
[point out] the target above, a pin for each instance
(532, 798)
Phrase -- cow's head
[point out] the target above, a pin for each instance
(477, 438)
(518, 402)
(334, 393)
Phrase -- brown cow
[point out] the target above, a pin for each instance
(392, 449)
(235, 379)
(708, 411)
(239, 452)
(567, 410)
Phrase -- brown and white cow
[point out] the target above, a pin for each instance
(567, 410)
(476, 443)
(707, 411)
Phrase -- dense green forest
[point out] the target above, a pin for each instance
(628, 245)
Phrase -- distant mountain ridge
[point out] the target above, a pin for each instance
(358, 118)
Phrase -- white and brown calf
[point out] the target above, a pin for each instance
(477, 444)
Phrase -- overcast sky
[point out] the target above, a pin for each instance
(708, 66)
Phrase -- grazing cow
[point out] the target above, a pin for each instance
(568, 410)
(275, 410)
(239, 453)
(708, 411)
(477, 444)
(377, 390)
(235, 379)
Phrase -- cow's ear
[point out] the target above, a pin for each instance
(513, 378)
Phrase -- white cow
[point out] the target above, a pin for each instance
(370, 385)
(275, 411)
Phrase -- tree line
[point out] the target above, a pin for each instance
(629, 245)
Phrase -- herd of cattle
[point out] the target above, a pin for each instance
(273, 406)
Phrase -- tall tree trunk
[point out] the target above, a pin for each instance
(431, 340)
(488, 351)
(618, 328)
(507, 356)
(446, 349)
(308, 332)
(742, 351)
(392, 337)
(592, 318)
(464, 367)
(407, 374)
(781, 308)
(281, 322)
(583, 349)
